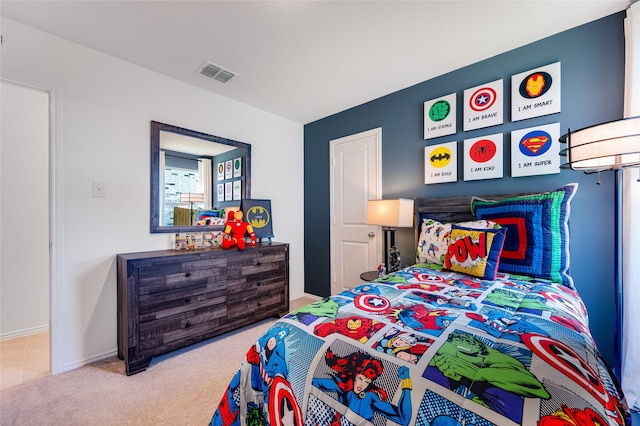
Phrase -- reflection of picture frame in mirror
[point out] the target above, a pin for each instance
(237, 167)
(228, 169)
(258, 214)
(220, 192)
(228, 191)
(237, 190)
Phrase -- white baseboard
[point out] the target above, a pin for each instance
(300, 296)
(25, 332)
(88, 361)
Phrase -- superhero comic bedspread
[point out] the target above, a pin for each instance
(428, 347)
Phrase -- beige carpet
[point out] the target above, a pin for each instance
(181, 388)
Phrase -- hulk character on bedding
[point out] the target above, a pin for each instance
(325, 308)
(503, 298)
(394, 278)
(466, 365)
(534, 304)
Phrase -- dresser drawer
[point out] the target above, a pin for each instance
(166, 276)
(240, 287)
(180, 329)
(161, 305)
(262, 305)
(252, 263)
(256, 273)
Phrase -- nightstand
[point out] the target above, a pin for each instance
(369, 275)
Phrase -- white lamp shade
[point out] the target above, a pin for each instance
(393, 213)
(605, 146)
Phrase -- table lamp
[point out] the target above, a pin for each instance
(390, 214)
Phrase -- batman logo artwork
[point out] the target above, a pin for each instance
(258, 217)
(440, 157)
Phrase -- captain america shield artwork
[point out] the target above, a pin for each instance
(372, 303)
(482, 99)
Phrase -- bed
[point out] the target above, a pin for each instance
(484, 329)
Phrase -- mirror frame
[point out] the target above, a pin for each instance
(156, 128)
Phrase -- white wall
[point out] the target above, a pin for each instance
(631, 225)
(103, 107)
(24, 211)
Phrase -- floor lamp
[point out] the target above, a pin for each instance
(609, 146)
(390, 214)
(192, 198)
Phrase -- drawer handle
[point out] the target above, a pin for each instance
(187, 300)
(188, 274)
(188, 324)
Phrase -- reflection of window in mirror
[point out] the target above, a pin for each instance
(187, 179)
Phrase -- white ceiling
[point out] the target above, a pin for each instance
(305, 60)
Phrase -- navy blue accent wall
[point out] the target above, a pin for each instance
(592, 63)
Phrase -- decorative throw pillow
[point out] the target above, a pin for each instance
(203, 214)
(537, 238)
(434, 238)
(475, 252)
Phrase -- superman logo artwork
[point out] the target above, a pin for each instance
(535, 143)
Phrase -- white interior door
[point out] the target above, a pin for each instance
(355, 178)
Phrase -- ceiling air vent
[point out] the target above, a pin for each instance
(216, 72)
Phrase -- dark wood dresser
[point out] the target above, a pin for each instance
(169, 299)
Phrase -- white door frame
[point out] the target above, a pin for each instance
(378, 189)
(55, 205)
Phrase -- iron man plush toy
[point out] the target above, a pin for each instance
(235, 230)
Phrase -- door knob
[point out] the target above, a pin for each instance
(371, 234)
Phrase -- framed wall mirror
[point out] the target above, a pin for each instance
(194, 177)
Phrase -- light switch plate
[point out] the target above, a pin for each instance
(98, 190)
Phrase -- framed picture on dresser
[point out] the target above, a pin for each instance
(258, 214)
